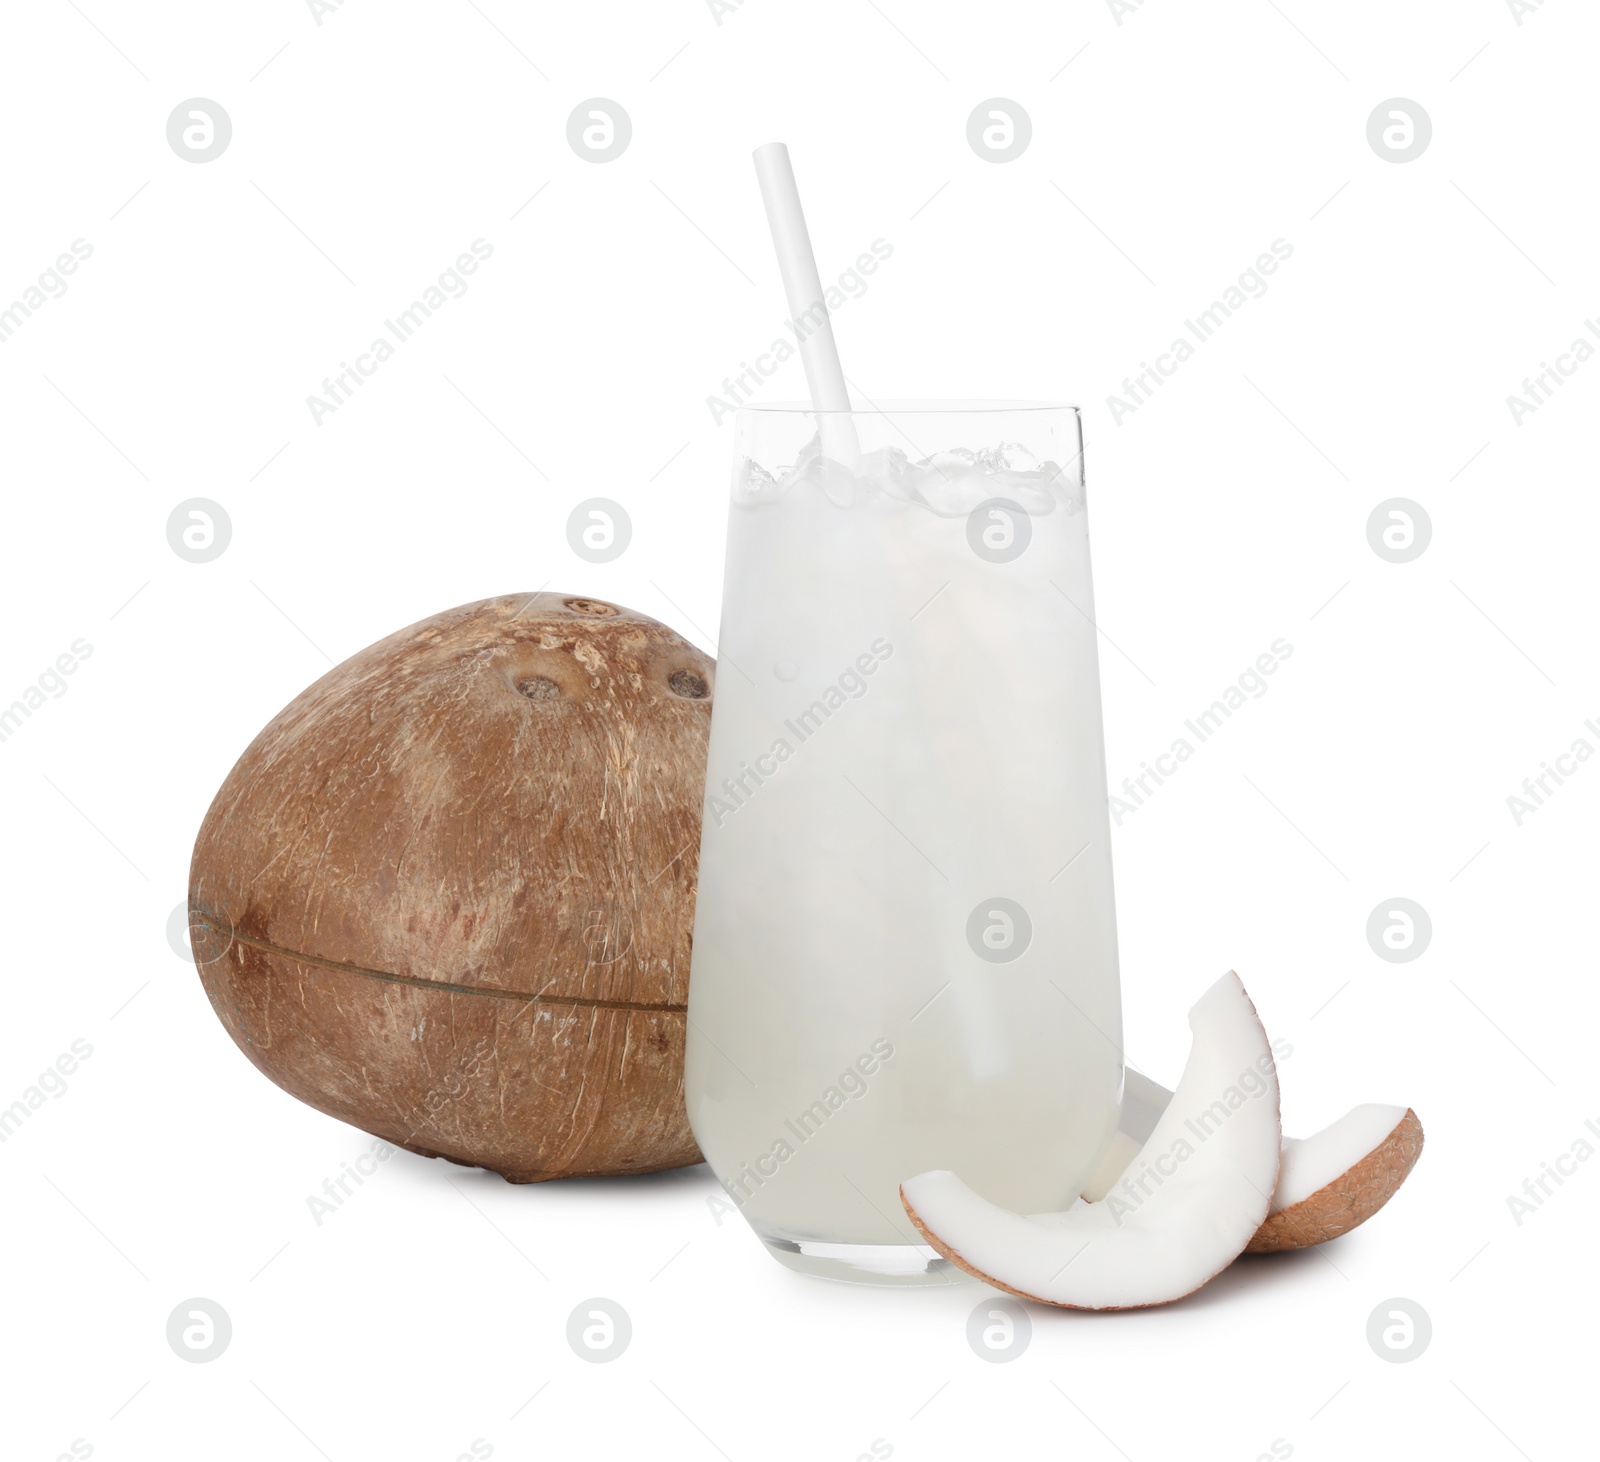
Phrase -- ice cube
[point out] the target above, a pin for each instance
(951, 487)
(883, 462)
(805, 460)
(1014, 457)
(1026, 490)
(1065, 483)
(888, 469)
(753, 484)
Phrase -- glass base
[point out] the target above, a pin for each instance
(896, 1265)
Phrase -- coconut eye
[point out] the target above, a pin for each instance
(539, 688)
(589, 606)
(687, 684)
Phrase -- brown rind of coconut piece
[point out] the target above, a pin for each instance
(954, 1256)
(1349, 1200)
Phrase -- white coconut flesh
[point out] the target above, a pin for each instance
(1187, 1205)
(1311, 1163)
(1336, 1179)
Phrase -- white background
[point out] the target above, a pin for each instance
(1168, 152)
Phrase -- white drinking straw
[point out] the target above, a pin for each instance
(807, 307)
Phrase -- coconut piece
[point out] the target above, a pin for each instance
(1331, 1183)
(1328, 1183)
(1198, 1190)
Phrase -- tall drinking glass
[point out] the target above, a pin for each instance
(905, 951)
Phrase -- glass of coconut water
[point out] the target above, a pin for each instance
(905, 951)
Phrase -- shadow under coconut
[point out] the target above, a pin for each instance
(696, 1175)
(1248, 1275)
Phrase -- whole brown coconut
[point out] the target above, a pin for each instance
(447, 894)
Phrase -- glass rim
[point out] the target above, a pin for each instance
(911, 407)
